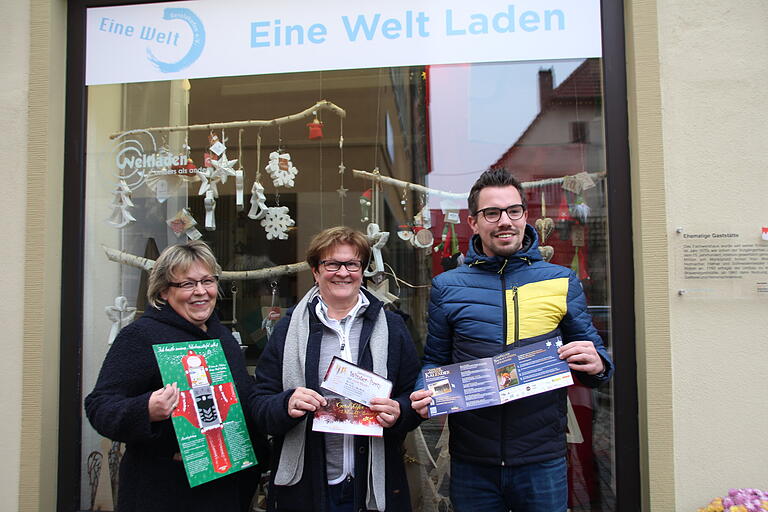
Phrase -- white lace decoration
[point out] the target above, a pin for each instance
(276, 222)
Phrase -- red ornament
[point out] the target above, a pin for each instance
(315, 129)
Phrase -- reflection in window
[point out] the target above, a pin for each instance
(436, 127)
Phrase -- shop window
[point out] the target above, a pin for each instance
(256, 164)
(579, 132)
(432, 128)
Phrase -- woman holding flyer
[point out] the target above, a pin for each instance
(337, 321)
(130, 404)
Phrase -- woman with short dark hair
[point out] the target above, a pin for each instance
(323, 471)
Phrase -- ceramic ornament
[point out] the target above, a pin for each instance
(404, 232)
(258, 202)
(216, 145)
(365, 205)
(239, 182)
(378, 239)
(423, 218)
(222, 168)
(120, 315)
(184, 223)
(422, 238)
(315, 128)
(210, 208)
(281, 169)
(121, 201)
(581, 209)
(381, 292)
(209, 181)
(276, 222)
(545, 226)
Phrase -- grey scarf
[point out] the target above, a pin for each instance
(291, 465)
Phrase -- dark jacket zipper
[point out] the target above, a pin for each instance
(516, 305)
(503, 423)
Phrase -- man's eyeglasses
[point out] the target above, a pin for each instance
(207, 282)
(493, 214)
(335, 266)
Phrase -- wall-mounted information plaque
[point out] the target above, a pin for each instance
(719, 264)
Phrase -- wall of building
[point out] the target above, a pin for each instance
(14, 53)
(32, 116)
(696, 77)
(697, 74)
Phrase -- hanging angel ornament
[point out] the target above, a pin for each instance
(239, 173)
(210, 208)
(120, 315)
(258, 202)
(121, 201)
(276, 222)
(378, 239)
(281, 169)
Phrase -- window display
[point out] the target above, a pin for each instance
(255, 163)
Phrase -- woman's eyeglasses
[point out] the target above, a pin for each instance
(207, 282)
(335, 266)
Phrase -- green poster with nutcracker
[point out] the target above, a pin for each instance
(208, 420)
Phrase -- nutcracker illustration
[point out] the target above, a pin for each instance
(206, 407)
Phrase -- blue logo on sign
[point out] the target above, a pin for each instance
(198, 40)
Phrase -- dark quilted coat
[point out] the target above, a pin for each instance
(150, 479)
(470, 317)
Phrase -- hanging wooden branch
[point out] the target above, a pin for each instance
(406, 184)
(264, 274)
(320, 105)
(452, 195)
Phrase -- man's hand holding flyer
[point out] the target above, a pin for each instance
(511, 375)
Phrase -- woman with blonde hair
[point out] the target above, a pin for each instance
(130, 404)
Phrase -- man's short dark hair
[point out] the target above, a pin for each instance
(494, 177)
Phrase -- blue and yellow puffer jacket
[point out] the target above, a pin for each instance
(487, 306)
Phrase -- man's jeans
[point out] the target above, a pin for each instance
(540, 487)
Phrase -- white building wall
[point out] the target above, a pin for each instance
(714, 74)
(14, 54)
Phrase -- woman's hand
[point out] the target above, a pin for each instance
(162, 402)
(304, 400)
(388, 409)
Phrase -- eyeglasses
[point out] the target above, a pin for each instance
(335, 266)
(493, 214)
(207, 282)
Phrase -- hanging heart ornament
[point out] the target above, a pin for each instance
(545, 228)
(547, 251)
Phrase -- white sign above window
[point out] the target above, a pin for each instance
(198, 39)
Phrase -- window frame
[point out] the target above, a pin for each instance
(626, 434)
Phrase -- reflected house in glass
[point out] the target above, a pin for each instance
(565, 139)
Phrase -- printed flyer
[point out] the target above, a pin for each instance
(208, 420)
(511, 375)
(351, 381)
(345, 416)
